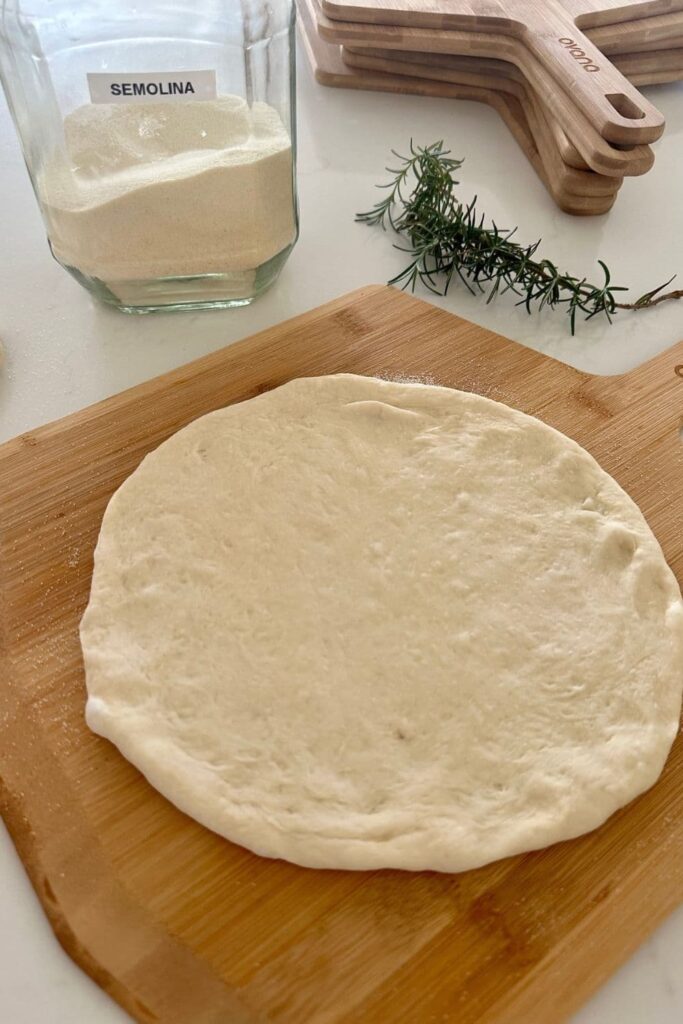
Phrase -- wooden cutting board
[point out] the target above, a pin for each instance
(588, 13)
(449, 71)
(182, 927)
(643, 66)
(650, 68)
(659, 33)
(547, 33)
(647, 68)
(578, 192)
(598, 154)
(654, 67)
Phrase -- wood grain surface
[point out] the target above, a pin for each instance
(591, 13)
(578, 192)
(659, 33)
(547, 33)
(646, 68)
(563, 179)
(182, 927)
(651, 67)
(597, 153)
(586, 14)
(563, 165)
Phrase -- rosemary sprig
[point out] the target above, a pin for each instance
(448, 239)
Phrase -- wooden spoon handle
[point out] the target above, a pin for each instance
(611, 103)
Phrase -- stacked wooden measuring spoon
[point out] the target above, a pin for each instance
(563, 74)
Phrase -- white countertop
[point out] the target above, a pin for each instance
(62, 352)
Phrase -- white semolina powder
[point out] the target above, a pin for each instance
(170, 189)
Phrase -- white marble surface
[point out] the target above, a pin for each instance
(63, 352)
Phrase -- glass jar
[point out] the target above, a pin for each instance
(160, 141)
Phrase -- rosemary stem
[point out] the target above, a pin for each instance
(649, 303)
(448, 239)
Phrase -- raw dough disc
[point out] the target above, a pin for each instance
(363, 624)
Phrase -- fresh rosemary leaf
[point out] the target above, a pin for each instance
(447, 239)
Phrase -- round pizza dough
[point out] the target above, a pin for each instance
(362, 624)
